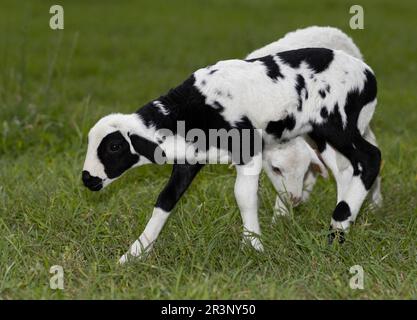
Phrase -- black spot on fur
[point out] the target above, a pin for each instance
(318, 59)
(203, 82)
(273, 70)
(300, 83)
(276, 128)
(328, 88)
(299, 86)
(213, 71)
(324, 113)
(322, 93)
(342, 212)
(115, 162)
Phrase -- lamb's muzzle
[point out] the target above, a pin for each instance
(91, 182)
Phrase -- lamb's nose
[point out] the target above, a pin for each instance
(91, 182)
(86, 176)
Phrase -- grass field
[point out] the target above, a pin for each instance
(118, 55)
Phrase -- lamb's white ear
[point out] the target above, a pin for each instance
(316, 165)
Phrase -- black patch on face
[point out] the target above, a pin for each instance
(342, 211)
(145, 147)
(114, 153)
(318, 59)
(299, 86)
(273, 70)
(322, 93)
(276, 128)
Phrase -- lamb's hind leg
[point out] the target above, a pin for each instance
(365, 159)
(375, 193)
(343, 171)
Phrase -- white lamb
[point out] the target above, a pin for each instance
(293, 167)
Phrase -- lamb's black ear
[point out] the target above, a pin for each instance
(144, 147)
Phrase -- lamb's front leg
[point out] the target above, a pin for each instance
(181, 177)
(246, 193)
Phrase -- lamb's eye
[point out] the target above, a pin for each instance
(115, 147)
(276, 170)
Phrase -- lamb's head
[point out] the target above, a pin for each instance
(287, 165)
(114, 145)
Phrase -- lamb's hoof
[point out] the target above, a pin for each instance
(339, 234)
(375, 204)
(137, 251)
(123, 259)
(129, 257)
(257, 245)
(279, 215)
(253, 242)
